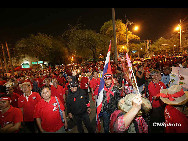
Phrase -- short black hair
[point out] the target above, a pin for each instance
(46, 87)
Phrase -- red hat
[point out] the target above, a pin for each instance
(107, 75)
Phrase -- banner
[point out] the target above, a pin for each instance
(179, 76)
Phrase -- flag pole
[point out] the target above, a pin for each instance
(132, 76)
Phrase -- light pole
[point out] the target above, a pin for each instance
(114, 31)
(127, 22)
(178, 28)
(135, 29)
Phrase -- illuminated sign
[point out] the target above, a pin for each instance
(40, 62)
(34, 63)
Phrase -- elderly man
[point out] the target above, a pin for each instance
(27, 104)
(49, 106)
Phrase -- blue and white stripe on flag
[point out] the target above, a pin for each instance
(106, 69)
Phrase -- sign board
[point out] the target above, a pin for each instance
(34, 63)
(40, 62)
(179, 76)
(25, 65)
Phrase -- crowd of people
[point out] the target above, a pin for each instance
(39, 101)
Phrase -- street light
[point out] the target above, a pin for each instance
(135, 28)
(177, 28)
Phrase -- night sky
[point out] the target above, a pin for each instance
(17, 23)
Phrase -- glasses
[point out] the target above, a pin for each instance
(108, 78)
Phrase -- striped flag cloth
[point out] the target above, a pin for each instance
(107, 69)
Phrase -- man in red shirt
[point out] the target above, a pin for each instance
(47, 113)
(61, 79)
(10, 117)
(84, 84)
(27, 104)
(94, 85)
(57, 90)
(14, 96)
(67, 87)
(157, 113)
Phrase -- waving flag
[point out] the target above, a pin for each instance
(107, 68)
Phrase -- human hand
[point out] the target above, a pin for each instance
(137, 101)
(89, 110)
(70, 115)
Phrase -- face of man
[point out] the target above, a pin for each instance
(4, 104)
(156, 77)
(10, 90)
(74, 89)
(46, 94)
(69, 79)
(141, 68)
(108, 81)
(26, 88)
(54, 81)
(95, 74)
(47, 82)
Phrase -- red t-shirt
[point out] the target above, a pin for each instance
(176, 121)
(48, 112)
(39, 81)
(154, 89)
(28, 105)
(2, 82)
(12, 115)
(14, 99)
(61, 80)
(59, 92)
(94, 83)
(84, 83)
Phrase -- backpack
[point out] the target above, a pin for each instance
(113, 118)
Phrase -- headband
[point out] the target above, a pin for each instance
(107, 76)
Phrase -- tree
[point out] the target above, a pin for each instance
(107, 29)
(43, 47)
(85, 43)
(38, 45)
(163, 45)
(160, 46)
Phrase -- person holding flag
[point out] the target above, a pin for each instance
(108, 95)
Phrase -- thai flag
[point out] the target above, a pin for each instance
(107, 68)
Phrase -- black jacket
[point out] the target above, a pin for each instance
(113, 102)
(76, 102)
